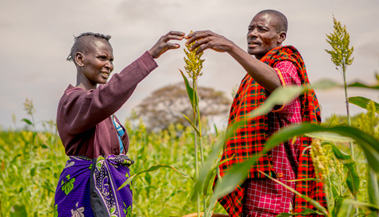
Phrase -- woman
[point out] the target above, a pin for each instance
(92, 136)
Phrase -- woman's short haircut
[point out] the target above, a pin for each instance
(80, 44)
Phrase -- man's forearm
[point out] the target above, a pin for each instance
(261, 72)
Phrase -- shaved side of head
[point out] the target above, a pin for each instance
(84, 42)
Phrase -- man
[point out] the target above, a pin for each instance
(274, 65)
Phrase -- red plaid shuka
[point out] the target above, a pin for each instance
(250, 138)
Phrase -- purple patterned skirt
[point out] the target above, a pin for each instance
(88, 187)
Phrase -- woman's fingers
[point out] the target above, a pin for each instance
(173, 35)
(164, 44)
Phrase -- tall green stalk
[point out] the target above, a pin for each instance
(341, 53)
(193, 69)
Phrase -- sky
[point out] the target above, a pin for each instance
(37, 36)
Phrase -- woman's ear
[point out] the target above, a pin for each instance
(79, 57)
(282, 37)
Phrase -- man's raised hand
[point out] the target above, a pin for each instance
(208, 39)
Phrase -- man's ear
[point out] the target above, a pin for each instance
(282, 37)
(79, 57)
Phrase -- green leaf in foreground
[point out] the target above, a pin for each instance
(368, 143)
(372, 187)
(348, 204)
(361, 85)
(329, 136)
(236, 175)
(362, 102)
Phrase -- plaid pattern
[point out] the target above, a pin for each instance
(265, 197)
(250, 138)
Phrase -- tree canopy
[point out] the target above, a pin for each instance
(168, 104)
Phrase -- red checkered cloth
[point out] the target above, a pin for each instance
(265, 197)
(250, 138)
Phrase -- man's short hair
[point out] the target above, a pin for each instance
(283, 23)
(81, 43)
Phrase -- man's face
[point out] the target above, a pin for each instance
(262, 35)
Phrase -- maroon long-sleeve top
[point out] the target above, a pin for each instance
(83, 117)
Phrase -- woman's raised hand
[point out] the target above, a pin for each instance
(164, 43)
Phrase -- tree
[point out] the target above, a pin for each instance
(168, 104)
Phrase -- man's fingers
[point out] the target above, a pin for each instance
(198, 35)
(200, 42)
(202, 48)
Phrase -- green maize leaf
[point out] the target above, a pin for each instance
(334, 191)
(205, 170)
(236, 175)
(27, 121)
(207, 180)
(359, 204)
(210, 175)
(352, 179)
(306, 211)
(193, 126)
(358, 84)
(345, 210)
(215, 128)
(326, 84)
(338, 201)
(362, 102)
(340, 155)
(280, 96)
(151, 169)
(328, 136)
(372, 187)
(368, 143)
(191, 93)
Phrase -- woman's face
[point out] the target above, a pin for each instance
(98, 62)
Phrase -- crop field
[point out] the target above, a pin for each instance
(31, 163)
